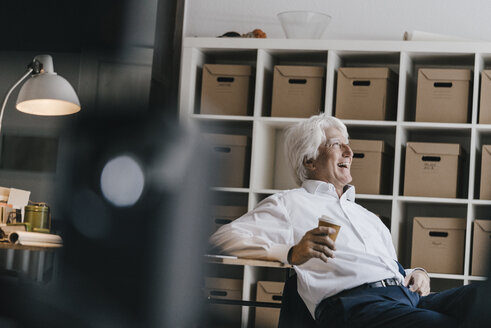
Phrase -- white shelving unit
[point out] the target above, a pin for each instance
(403, 57)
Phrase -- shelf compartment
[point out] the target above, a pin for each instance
(441, 282)
(403, 216)
(220, 56)
(483, 138)
(230, 196)
(439, 135)
(269, 59)
(386, 133)
(483, 62)
(339, 58)
(219, 151)
(482, 211)
(270, 168)
(380, 207)
(417, 60)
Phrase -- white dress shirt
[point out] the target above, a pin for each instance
(364, 249)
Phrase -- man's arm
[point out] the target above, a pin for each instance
(263, 233)
(267, 233)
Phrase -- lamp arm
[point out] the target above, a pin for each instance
(28, 72)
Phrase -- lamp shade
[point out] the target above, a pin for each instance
(47, 94)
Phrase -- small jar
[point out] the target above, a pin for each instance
(38, 216)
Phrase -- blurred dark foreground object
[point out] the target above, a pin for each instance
(481, 314)
(133, 201)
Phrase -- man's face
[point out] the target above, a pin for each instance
(334, 160)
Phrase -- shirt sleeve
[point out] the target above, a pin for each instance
(264, 233)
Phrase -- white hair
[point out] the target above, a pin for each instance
(302, 141)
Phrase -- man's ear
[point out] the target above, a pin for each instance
(309, 164)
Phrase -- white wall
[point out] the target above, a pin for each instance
(351, 19)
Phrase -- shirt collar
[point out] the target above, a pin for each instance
(317, 186)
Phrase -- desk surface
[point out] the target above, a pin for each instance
(243, 261)
(26, 248)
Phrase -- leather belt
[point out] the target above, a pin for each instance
(381, 283)
(376, 284)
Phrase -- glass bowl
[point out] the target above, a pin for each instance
(303, 24)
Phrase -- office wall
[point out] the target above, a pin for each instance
(82, 38)
(352, 19)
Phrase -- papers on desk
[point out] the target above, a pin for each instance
(38, 239)
(19, 199)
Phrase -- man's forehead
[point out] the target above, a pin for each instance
(333, 133)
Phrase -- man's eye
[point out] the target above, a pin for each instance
(335, 145)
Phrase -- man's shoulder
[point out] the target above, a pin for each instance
(290, 192)
(286, 195)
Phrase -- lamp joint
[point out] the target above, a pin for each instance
(36, 66)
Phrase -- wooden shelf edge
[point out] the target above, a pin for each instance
(244, 261)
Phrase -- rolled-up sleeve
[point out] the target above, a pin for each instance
(263, 233)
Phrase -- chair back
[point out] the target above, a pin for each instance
(294, 312)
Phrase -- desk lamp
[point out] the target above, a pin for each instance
(45, 93)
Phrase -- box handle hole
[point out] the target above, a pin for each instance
(431, 158)
(218, 293)
(361, 83)
(438, 234)
(225, 79)
(222, 149)
(277, 298)
(297, 81)
(358, 155)
(442, 84)
(222, 221)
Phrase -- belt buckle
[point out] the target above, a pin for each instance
(383, 283)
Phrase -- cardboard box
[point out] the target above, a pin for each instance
(268, 291)
(366, 93)
(481, 247)
(228, 289)
(230, 152)
(438, 244)
(369, 166)
(432, 169)
(226, 214)
(443, 95)
(225, 89)
(485, 192)
(298, 91)
(223, 288)
(485, 98)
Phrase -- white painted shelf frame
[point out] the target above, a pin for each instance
(404, 57)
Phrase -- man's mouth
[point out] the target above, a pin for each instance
(345, 165)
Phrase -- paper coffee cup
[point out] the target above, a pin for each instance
(326, 221)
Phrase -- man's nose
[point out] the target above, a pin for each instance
(347, 150)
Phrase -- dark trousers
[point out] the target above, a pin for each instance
(396, 306)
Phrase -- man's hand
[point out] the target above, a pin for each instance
(315, 243)
(418, 282)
